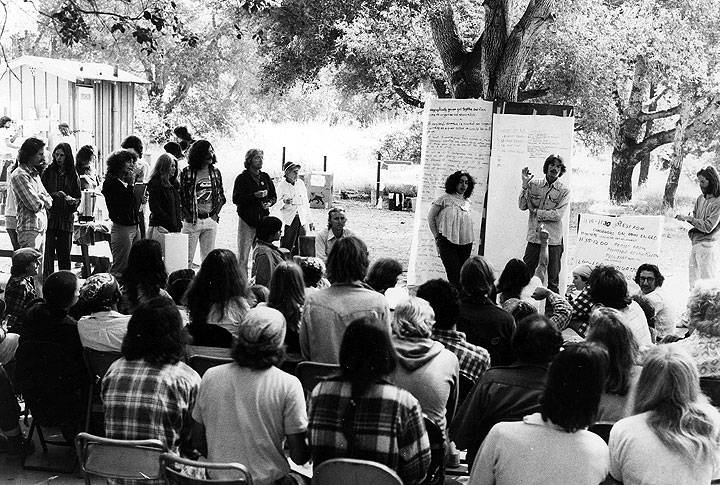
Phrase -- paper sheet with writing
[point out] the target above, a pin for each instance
(456, 136)
(521, 141)
(624, 242)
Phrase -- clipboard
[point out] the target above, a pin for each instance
(139, 191)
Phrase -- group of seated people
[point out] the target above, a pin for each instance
(488, 367)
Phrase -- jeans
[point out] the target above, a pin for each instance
(31, 239)
(11, 228)
(60, 243)
(121, 240)
(453, 256)
(204, 231)
(532, 258)
(291, 236)
(245, 240)
(703, 262)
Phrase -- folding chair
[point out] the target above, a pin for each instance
(202, 358)
(310, 373)
(173, 476)
(349, 471)
(97, 362)
(602, 429)
(436, 473)
(119, 459)
(711, 388)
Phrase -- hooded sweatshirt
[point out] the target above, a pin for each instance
(429, 372)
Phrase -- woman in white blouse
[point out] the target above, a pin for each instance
(294, 207)
(451, 225)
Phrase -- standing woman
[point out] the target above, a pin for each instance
(120, 200)
(63, 184)
(164, 194)
(201, 196)
(85, 167)
(295, 208)
(451, 225)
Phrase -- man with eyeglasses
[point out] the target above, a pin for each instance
(650, 280)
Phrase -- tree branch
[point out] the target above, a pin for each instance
(665, 113)
(653, 100)
(699, 121)
(407, 97)
(653, 141)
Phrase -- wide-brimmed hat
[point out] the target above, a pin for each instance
(288, 166)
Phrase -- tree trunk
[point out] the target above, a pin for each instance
(645, 158)
(678, 155)
(623, 164)
(672, 184)
(644, 170)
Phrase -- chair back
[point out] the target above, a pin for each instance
(602, 429)
(201, 363)
(123, 459)
(466, 385)
(170, 464)
(310, 373)
(436, 472)
(711, 388)
(348, 471)
(98, 362)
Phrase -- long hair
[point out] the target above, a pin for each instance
(69, 163)
(680, 415)
(453, 180)
(155, 333)
(287, 293)
(608, 287)
(83, 159)
(145, 270)
(477, 277)
(711, 174)
(606, 327)
(348, 260)
(703, 308)
(366, 354)
(575, 383)
(197, 154)
(513, 279)
(383, 274)
(29, 149)
(218, 281)
(165, 170)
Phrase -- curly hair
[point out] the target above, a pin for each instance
(218, 281)
(703, 307)
(155, 333)
(607, 327)
(117, 163)
(608, 287)
(313, 271)
(443, 298)
(198, 153)
(348, 260)
(383, 274)
(453, 180)
(145, 270)
(554, 158)
(513, 279)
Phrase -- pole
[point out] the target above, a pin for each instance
(324, 163)
(283, 159)
(377, 180)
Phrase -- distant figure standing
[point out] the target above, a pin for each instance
(183, 137)
(295, 208)
(451, 225)
(30, 195)
(253, 194)
(135, 145)
(546, 200)
(63, 184)
(704, 258)
(164, 199)
(118, 189)
(85, 166)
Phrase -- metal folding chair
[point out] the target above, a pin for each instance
(170, 463)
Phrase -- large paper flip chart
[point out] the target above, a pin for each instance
(456, 136)
(624, 242)
(521, 141)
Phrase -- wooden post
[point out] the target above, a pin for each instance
(324, 163)
(377, 180)
(283, 160)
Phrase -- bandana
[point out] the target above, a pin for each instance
(100, 290)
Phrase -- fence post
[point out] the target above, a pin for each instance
(324, 163)
(377, 181)
(283, 159)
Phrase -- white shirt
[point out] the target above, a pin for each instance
(103, 331)
(636, 321)
(300, 204)
(325, 240)
(665, 314)
(453, 220)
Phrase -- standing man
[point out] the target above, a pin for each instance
(704, 259)
(295, 208)
(253, 194)
(30, 195)
(546, 200)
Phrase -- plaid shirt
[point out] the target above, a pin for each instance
(473, 360)
(188, 198)
(149, 402)
(386, 427)
(30, 197)
(19, 292)
(581, 308)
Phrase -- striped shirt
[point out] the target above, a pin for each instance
(31, 198)
(385, 425)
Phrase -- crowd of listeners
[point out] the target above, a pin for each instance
(495, 364)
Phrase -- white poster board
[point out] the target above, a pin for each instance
(175, 250)
(456, 136)
(624, 242)
(521, 141)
